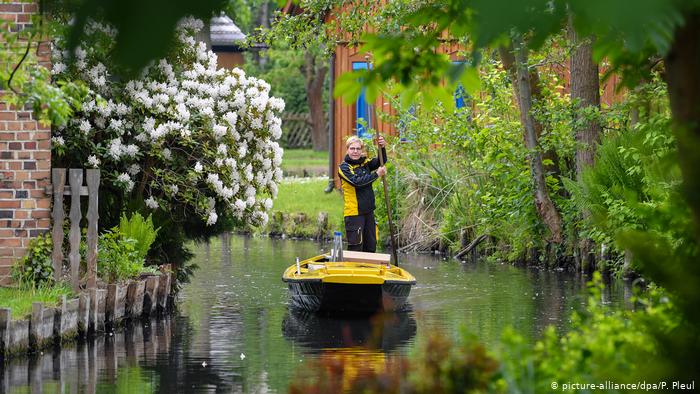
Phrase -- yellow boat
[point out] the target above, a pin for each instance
(362, 283)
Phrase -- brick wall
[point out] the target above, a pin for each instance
(25, 160)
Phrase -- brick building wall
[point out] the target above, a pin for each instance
(25, 159)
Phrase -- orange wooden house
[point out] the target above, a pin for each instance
(347, 118)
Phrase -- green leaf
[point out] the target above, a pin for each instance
(470, 80)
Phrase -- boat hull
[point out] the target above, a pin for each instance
(331, 298)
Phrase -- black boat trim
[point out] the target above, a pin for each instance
(399, 282)
(309, 280)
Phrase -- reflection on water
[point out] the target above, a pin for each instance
(384, 331)
(234, 333)
(102, 365)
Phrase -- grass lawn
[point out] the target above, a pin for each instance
(20, 300)
(305, 195)
(295, 161)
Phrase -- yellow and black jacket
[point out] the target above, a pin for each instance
(356, 178)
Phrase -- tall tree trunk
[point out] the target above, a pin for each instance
(683, 277)
(508, 60)
(518, 67)
(315, 71)
(263, 21)
(683, 78)
(585, 94)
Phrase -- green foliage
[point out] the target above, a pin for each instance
(20, 299)
(440, 366)
(144, 35)
(117, 257)
(244, 13)
(35, 269)
(447, 367)
(25, 82)
(283, 71)
(466, 171)
(404, 36)
(139, 229)
(601, 346)
(634, 186)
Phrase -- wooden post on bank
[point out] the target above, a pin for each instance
(76, 190)
(93, 183)
(76, 181)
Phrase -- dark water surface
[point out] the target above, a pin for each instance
(233, 331)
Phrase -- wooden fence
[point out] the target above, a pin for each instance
(75, 191)
(296, 130)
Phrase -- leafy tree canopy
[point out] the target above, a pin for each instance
(146, 27)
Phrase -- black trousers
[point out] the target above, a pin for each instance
(361, 232)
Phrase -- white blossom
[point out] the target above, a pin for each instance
(93, 161)
(58, 141)
(242, 150)
(256, 123)
(212, 218)
(131, 150)
(126, 181)
(276, 104)
(115, 148)
(121, 109)
(134, 169)
(85, 126)
(268, 203)
(116, 124)
(179, 104)
(58, 68)
(219, 131)
(151, 203)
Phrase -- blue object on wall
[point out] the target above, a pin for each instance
(361, 107)
(460, 93)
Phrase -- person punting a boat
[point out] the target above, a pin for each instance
(357, 173)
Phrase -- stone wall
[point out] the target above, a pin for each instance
(25, 159)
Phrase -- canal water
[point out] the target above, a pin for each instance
(233, 331)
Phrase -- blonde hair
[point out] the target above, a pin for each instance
(353, 139)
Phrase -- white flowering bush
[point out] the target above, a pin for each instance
(182, 137)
